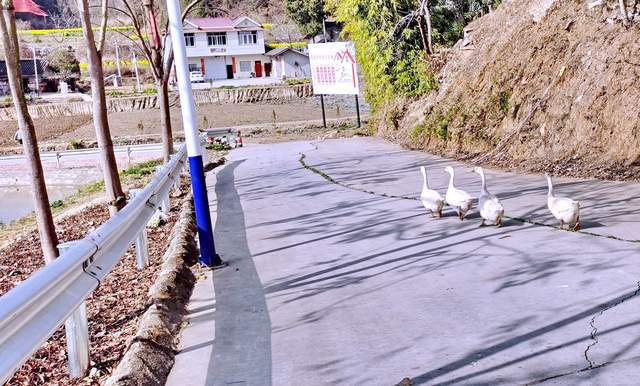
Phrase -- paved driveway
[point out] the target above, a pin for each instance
(329, 284)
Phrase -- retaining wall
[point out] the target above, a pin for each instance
(276, 94)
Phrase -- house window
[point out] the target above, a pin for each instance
(248, 38)
(245, 66)
(189, 40)
(217, 38)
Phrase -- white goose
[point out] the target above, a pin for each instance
(431, 199)
(491, 210)
(459, 200)
(564, 209)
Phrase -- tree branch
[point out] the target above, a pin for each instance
(103, 26)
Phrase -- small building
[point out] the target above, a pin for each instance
(28, 76)
(226, 48)
(288, 63)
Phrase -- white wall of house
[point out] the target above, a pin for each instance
(217, 57)
(201, 46)
(291, 65)
(215, 67)
(246, 65)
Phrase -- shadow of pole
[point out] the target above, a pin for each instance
(242, 349)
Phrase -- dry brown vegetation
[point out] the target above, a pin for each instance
(542, 89)
(113, 309)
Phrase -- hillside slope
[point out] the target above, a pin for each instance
(545, 85)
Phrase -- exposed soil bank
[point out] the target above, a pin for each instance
(545, 85)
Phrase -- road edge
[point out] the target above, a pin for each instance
(150, 354)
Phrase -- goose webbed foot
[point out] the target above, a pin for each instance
(577, 227)
(482, 224)
(440, 213)
(499, 224)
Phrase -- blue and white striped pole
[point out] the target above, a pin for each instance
(208, 255)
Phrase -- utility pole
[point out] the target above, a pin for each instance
(208, 255)
(324, 28)
(35, 68)
(135, 66)
(118, 62)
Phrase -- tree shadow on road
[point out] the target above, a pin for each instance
(242, 349)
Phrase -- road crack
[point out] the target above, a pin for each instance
(384, 195)
(594, 328)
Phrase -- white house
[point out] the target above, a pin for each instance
(289, 63)
(225, 48)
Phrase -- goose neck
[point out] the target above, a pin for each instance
(425, 183)
(452, 177)
(550, 183)
(484, 181)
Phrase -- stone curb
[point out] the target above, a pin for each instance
(150, 354)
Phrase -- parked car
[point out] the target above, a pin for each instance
(196, 77)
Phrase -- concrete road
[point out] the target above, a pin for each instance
(350, 282)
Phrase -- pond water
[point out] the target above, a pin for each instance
(17, 202)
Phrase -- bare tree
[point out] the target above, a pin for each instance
(423, 16)
(113, 186)
(66, 15)
(46, 227)
(146, 16)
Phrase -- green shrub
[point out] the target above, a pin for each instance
(115, 94)
(218, 146)
(436, 125)
(57, 204)
(293, 82)
(142, 169)
(76, 144)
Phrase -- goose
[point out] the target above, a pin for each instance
(431, 199)
(564, 209)
(459, 200)
(491, 210)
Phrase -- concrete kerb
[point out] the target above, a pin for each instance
(150, 354)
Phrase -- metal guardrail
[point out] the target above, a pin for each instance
(129, 150)
(31, 312)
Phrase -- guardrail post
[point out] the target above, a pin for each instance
(205, 155)
(142, 249)
(77, 333)
(142, 241)
(58, 156)
(165, 205)
(128, 156)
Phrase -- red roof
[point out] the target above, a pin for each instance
(215, 23)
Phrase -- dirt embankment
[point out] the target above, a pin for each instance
(545, 85)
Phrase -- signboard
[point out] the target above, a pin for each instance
(334, 69)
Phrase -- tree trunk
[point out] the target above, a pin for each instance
(165, 118)
(113, 187)
(623, 11)
(423, 35)
(427, 16)
(46, 227)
